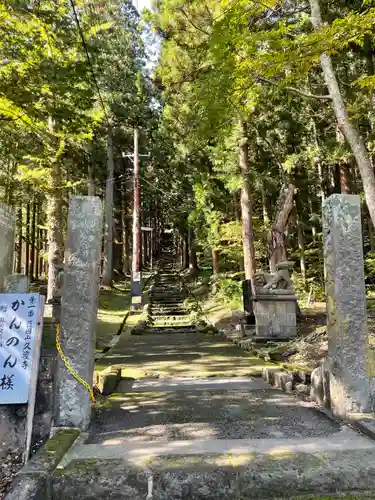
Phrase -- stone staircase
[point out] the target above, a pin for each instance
(166, 300)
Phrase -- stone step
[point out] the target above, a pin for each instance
(162, 306)
(173, 329)
(237, 439)
(155, 323)
(217, 476)
(163, 312)
(167, 302)
(166, 296)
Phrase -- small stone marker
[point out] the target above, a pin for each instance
(7, 235)
(348, 346)
(136, 291)
(79, 309)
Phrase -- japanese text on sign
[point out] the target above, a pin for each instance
(19, 314)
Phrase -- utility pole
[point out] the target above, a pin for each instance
(108, 234)
(137, 256)
(136, 298)
(136, 285)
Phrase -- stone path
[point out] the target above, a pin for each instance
(187, 429)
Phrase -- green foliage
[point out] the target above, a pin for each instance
(229, 290)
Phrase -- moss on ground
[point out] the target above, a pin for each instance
(113, 305)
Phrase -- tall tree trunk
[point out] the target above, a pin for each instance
(19, 246)
(124, 230)
(37, 242)
(345, 178)
(371, 234)
(108, 228)
(266, 219)
(185, 251)
(312, 216)
(90, 180)
(215, 262)
(193, 260)
(33, 239)
(55, 230)
(137, 250)
(301, 247)
(27, 267)
(275, 238)
(145, 248)
(350, 131)
(246, 209)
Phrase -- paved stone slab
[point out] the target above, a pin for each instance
(122, 448)
(191, 384)
(219, 477)
(169, 416)
(181, 355)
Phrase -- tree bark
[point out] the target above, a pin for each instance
(27, 235)
(185, 252)
(371, 235)
(266, 219)
(246, 210)
(19, 245)
(275, 237)
(124, 230)
(215, 262)
(350, 131)
(301, 247)
(55, 230)
(193, 260)
(90, 180)
(108, 227)
(33, 239)
(137, 250)
(345, 178)
(37, 242)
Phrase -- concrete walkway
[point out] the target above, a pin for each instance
(193, 431)
(176, 355)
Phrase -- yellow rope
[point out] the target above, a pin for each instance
(69, 368)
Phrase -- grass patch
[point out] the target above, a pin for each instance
(113, 305)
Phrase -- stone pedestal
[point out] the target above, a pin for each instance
(275, 315)
(136, 291)
(79, 309)
(7, 235)
(351, 376)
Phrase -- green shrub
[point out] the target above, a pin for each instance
(228, 289)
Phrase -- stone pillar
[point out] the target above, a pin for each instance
(79, 309)
(17, 283)
(7, 235)
(351, 377)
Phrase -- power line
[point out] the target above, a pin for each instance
(88, 57)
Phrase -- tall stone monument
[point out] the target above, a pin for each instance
(7, 235)
(349, 357)
(79, 309)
